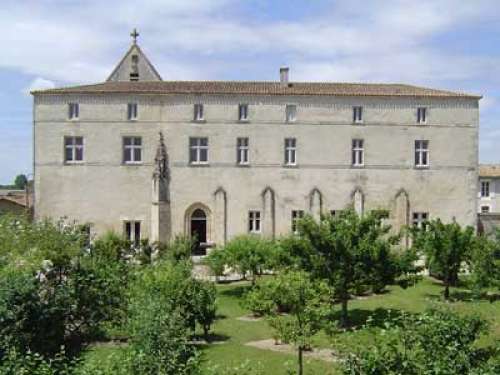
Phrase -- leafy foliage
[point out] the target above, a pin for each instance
(307, 305)
(447, 247)
(348, 252)
(246, 254)
(432, 343)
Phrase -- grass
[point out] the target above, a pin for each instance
(233, 333)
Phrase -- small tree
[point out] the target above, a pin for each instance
(248, 254)
(484, 267)
(446, 247)
(307, 304)
(346, 251)
(21, 181)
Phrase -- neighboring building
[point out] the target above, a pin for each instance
(153, 158)
(488, 198)
(14, 202)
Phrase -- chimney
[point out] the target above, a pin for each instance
(284, 72)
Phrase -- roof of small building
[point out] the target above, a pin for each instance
(17, 199)
(489, 170)
(256, 88)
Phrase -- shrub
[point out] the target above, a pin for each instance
(435, 342)
(248, 255)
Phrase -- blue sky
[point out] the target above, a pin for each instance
(449, 44)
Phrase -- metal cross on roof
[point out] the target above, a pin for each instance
(134, 34)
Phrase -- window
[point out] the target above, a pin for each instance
(485, 189)
(420, 219)
(357, 152)
(133, 232)
(243, 112)
(291, 112)
(296, 215)
(254, 221)
(132, 150)
(421, 154)
(73, 149)
(485, 209)
(73, 111)
(132, 111)
(333, 213)
(242, 151)
(198, 112)
(421, 115)
(357, 114)
(290, 151)
(198, 150)
(134, 69)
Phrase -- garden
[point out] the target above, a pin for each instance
(340, 296)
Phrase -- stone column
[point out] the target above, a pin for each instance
(315, 204)
(358, 200)
(220, 217)
(268, 213)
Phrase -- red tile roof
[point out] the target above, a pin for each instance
(255, 88)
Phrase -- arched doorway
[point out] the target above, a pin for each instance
(199, 231)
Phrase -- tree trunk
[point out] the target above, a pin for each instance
(446, 291)
(301, 366)
(344, 318)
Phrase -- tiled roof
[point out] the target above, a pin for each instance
(489, 170)
(255, 88)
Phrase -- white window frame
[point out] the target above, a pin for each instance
(488, 209)
(132, 111)
(73, 111)
(195, 143)
(73, 146)
(290, 151)
(358, 152)
(133, 146)
(421, 149)
(199, 112)
(419, 218)
(291, 113)
(243, 112)
(132, 236)
(422, 115)
(481, 191)
(242, 151)
(296, 215)
(357, 114)
(254, 221)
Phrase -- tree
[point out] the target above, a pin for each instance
(483, 265)
(307, 304)
(447, 247)
(20, 181)
(248, 254)
(346, 251)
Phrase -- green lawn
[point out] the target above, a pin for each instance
(233, 333)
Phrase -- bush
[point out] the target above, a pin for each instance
(249, 255)
(165, 306)
(435, 342)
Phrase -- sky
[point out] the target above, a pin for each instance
(445, 44)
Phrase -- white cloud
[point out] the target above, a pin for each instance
(39, 83)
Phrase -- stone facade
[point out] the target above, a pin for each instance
(104, 191)
(488, 198)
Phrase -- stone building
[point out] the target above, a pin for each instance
(488, 198)
(153, 158)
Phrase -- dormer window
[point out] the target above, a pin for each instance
(132, 111)
(73, 111)
(134, 68)
(198, 112)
